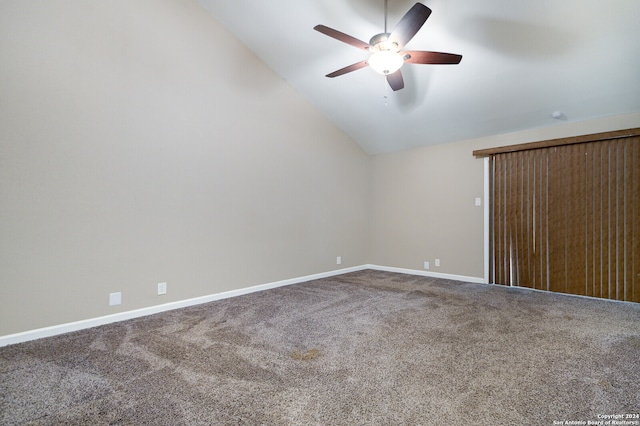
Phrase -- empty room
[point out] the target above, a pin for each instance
(362, 212)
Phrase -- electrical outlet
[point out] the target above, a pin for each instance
(339, 260)
(162, 288)
(478, 201)
(426, 265)
(115, 298)
(437, 262)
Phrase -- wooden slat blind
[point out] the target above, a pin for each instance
(567, 218)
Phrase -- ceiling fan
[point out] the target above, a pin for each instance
(387, 56)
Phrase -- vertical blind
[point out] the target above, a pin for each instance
(567, 218)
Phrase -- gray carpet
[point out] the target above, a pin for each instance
(366, 348)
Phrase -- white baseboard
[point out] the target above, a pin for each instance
(40, 333)
(427, 274)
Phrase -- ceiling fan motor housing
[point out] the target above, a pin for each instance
(380, 42)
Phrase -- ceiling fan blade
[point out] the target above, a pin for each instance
(410, 24)
(422, 57)
(350, 68)
(345, 38)
(395, 80)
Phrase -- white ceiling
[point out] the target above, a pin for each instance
(522, 60)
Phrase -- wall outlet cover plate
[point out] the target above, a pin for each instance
(115, 298)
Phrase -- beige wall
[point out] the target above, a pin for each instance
(423, 208)
(422, 202)
(140, 143)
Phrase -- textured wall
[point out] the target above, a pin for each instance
(140, 143)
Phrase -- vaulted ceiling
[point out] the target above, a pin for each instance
(522, 61)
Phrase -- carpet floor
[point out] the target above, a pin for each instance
(365, 348)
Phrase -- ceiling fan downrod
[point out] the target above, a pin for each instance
(385, 16)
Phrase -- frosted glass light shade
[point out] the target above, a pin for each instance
(386, 62)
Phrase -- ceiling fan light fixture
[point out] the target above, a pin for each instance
(385, 49)
(386, 61)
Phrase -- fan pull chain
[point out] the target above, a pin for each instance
(386, 90)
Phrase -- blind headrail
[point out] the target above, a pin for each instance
(558, 142)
